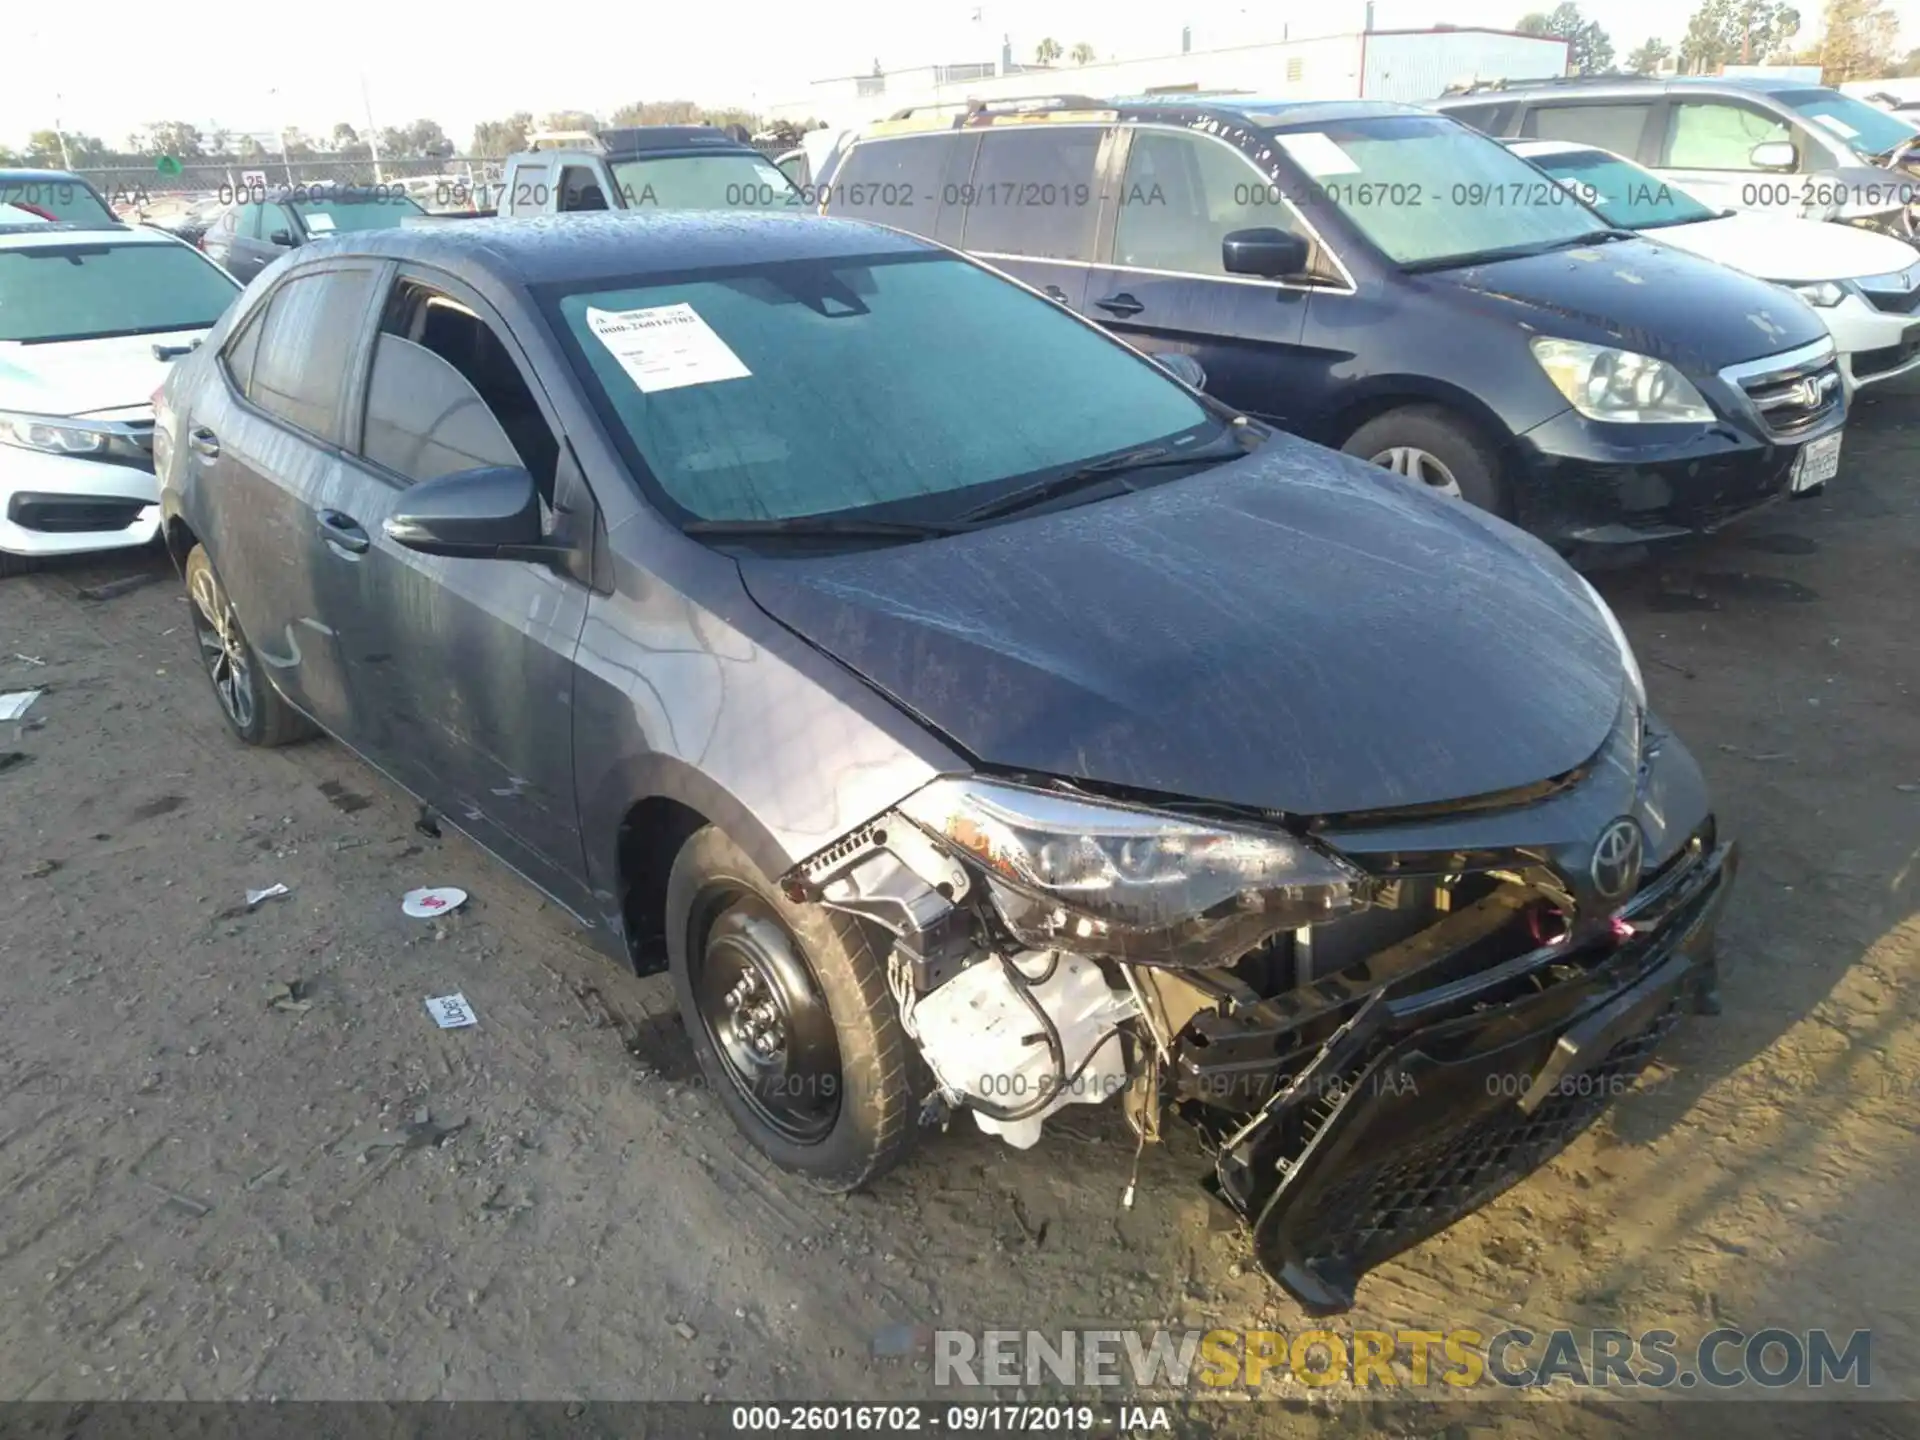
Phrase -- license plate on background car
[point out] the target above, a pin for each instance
(1817, 462)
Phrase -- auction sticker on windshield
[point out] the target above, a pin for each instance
(665, 347)
(320, 224)
(1316, 154)
(1817, 462)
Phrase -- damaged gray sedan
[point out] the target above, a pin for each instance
(968, 713)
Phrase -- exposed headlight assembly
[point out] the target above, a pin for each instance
(51, 435)
(1636, 682)
(1133, 884)
(1603, 383)
(1824, 293)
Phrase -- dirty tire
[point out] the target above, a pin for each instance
(1446, 437)
(882, 1078)
(253, 709)
(11, 564)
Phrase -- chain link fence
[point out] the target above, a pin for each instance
(451, 184)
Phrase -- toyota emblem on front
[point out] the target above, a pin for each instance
(1615, 867)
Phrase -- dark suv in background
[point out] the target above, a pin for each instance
(263, 225)
(1742, 144)
(1392, 283)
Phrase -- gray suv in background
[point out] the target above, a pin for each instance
(1740, 144)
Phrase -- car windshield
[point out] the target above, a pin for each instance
(1623, 193)
(328, 216)
(870, 384)
(1428, 191)
(54, 198)
(729, 181)
(1866, 129)
(90, 290)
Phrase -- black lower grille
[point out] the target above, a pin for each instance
(1894, 302)
(1380, 1209)
(72, 514)
(1869, 363)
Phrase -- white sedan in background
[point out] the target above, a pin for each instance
(90, 320)
(1864, 284)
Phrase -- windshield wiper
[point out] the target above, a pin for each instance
(825, 525)
(1513, 252)
(1148, 457)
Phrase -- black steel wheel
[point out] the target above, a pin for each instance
(791, 1019)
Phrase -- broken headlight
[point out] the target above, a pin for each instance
(1133, 884)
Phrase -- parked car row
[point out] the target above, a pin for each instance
(945, 649)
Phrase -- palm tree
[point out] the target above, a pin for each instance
(1047, 51)
(1083, 54)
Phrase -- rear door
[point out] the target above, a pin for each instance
(462, 669)
(1032, 205)
(1164, 289)
(268, 444)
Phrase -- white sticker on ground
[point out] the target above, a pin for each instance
(1317, 154)
(450, 1012)
(665, 347)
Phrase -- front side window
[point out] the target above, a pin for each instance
(1431, 193)
(92, 290)
(65, 200)
(885, 384)
(1183, 194)
(1032, 192)
(1624, 194)
(307, 348)
(252, 221)
(1708, 135)
(728, 181)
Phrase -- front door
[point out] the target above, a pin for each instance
(1165, 290)
(462, 670)
(1709, 153)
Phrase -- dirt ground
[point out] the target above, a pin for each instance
(206, 1196)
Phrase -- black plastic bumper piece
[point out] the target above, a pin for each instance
(1439, 1106)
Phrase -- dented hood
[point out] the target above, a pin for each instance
(1295, 630)
(1641, 296)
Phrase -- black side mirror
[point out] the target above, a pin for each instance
(1267, 252)
(1183, 368)
(492, 513)
(281, 237)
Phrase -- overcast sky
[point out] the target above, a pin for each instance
(283, 64)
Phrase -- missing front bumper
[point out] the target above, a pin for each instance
(1429, 1103)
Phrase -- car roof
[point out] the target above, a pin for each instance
(26, 237)
(10, 173)
(1574, 85)
(1231, 107)
(549, 248)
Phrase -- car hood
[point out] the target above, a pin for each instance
(1641, 296)
(86, 377)
(1294, 631)
(1780, 247)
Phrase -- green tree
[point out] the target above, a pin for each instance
(496, 138)
(1047, 51)
(1589, 49)
(1083, 54)
(1735, 32)
(1859, 40)
(1648, 59)
(570, 120)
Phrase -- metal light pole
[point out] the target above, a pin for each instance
(373, 135)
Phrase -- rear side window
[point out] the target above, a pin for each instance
(241, 349)
(1492, 119)
(1609, 127)
(892, 182)
(306, 349)
(1033, 193)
